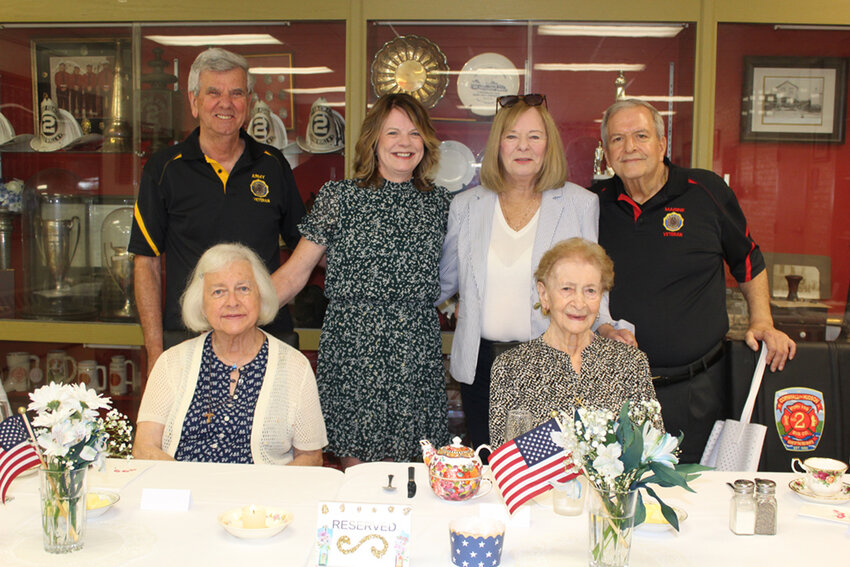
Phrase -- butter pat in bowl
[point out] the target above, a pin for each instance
(655, 520)
(97, 503)
(254, 521)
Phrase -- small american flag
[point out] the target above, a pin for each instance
(524, 466)
(16, 452)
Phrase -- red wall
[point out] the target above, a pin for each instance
(795, 195)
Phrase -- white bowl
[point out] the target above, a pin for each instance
(276, 521)
(104, 501)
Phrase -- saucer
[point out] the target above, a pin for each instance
(798, 485)
(97, 503)
(276, 521)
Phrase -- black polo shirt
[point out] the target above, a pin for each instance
(183, 208)
(668, 261)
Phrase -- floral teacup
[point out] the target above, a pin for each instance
(823, 476)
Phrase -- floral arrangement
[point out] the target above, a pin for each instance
(627, 452)
(67, 425)
(120, 434)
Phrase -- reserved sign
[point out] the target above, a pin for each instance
(353, 533)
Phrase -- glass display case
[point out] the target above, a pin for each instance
(458, 69)
(83, 108)
(780, 141)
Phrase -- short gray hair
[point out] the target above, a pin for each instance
(217, 258)
(631, 103)
(217, 59)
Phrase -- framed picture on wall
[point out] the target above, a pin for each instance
(273, 85)
(794, 99)
(79, 76)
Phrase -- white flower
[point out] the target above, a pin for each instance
(50, 418)
(607, 461)
(658, 447)
(88, 453)
(49, 397)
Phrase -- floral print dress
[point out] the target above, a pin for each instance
(380, 372)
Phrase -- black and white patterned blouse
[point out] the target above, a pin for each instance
(224, 436)
(540, 378)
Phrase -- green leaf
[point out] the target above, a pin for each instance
(625, 433)
(666, 511)
(640, 511)
(633, 451)
(666, 477)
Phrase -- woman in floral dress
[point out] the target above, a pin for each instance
(380, 372)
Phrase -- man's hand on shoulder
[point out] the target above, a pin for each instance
(619, 335)
(780, 347)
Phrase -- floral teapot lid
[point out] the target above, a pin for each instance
(454, 461)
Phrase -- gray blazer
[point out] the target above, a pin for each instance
(564, 213)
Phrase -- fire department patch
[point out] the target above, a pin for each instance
(259, 188)
(799, 418)
(673, 222)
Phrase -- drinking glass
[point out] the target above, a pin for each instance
(519, 421)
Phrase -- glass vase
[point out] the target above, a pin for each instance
(63, 509)
(611, 517)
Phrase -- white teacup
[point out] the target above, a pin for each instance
(823, 475)
(92, 374)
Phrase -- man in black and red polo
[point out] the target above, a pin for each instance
(669, 231)
(219, 185)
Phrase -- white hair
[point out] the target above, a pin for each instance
(217, 258)
(631, 103)
(217, 59)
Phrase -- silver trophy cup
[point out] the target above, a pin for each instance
(55, 241)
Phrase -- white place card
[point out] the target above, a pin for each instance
(171, 499)
(831, 513)
(352, 534)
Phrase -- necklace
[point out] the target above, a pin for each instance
(517, 216)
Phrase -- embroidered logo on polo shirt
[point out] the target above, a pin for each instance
(673, 223)
(259, 188)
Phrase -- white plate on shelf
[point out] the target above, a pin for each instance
(483, 79)
(798, 485)
(457, 165)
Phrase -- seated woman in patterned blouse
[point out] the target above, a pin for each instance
(234, 394)
(568, 364)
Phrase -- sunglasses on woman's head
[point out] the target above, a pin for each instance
(531, 99)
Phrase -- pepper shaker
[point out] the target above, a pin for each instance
(766, 510)
(742, 510)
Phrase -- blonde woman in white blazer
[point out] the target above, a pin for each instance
(497, 233)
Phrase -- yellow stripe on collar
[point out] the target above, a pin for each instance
(222, 173)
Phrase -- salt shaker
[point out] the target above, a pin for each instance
(766, 511)
(742, 510)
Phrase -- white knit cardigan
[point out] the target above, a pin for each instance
(287, 413)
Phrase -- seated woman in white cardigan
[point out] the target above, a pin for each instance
(233, 394)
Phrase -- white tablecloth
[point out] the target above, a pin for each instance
(126, 535)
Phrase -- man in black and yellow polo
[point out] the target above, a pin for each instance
(219, 185)
(669, 231)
